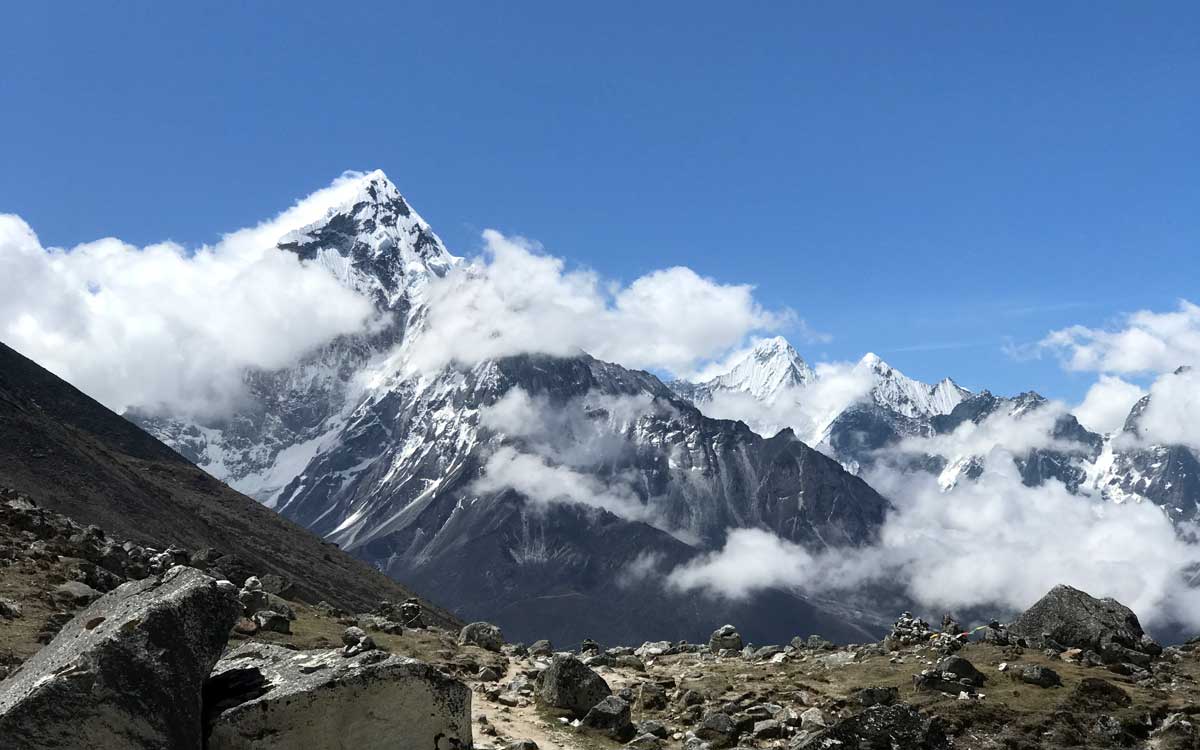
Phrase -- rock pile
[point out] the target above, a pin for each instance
(953, 675)
(907, 631)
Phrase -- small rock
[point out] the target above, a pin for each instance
(610, 716)
(654, 728)
(718, 729)
(272, 621)
(9, 609)
(877, 696)
(75, 594)
(813, 718)
(767, 729)
(487, 674)
(1040, 676)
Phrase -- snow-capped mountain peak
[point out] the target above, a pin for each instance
(911, 398)
(374, 242)
(769, 369)
(772, 366)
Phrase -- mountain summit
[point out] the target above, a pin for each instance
(766, 372)
(375, 243)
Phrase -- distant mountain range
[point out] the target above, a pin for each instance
(550, 494)
(890, 410)
(388, 461)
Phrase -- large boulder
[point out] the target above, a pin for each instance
(482, 634)
(570, 684)
(126, 672)
(1072, 618)
(718, 729)
(611, 716)
(269, 697)
(725, 637)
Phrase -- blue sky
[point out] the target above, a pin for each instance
(925, 180)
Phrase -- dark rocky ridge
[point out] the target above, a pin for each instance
(78, 458)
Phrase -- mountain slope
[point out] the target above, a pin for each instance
(76, 457)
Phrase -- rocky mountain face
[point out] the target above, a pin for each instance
(565, 509)
(375, 244)
(1130, 468)
(1069, 448)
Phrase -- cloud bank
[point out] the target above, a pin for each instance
(1144, 342)
(172, 330)
(515, 299)
(1107, 404)
(992, 542)
(166, 329)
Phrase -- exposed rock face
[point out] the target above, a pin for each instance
(125, 673)
(1072, 618)
(268, 697)
(570, 684)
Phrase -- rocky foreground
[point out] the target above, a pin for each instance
(144, 648)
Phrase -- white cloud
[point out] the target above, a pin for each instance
(1014, 433)
(519, 300)
(588, 431)
(1107, 404)
(1173, 414)
(750, 560)
(166, 329)
(574, 452)
(993, 542)
(1145, 341)
(544, 484)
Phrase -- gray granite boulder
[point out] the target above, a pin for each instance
(124, 673)
(570, 684)
(484, 635)
(1069, 618)
(269, 697)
